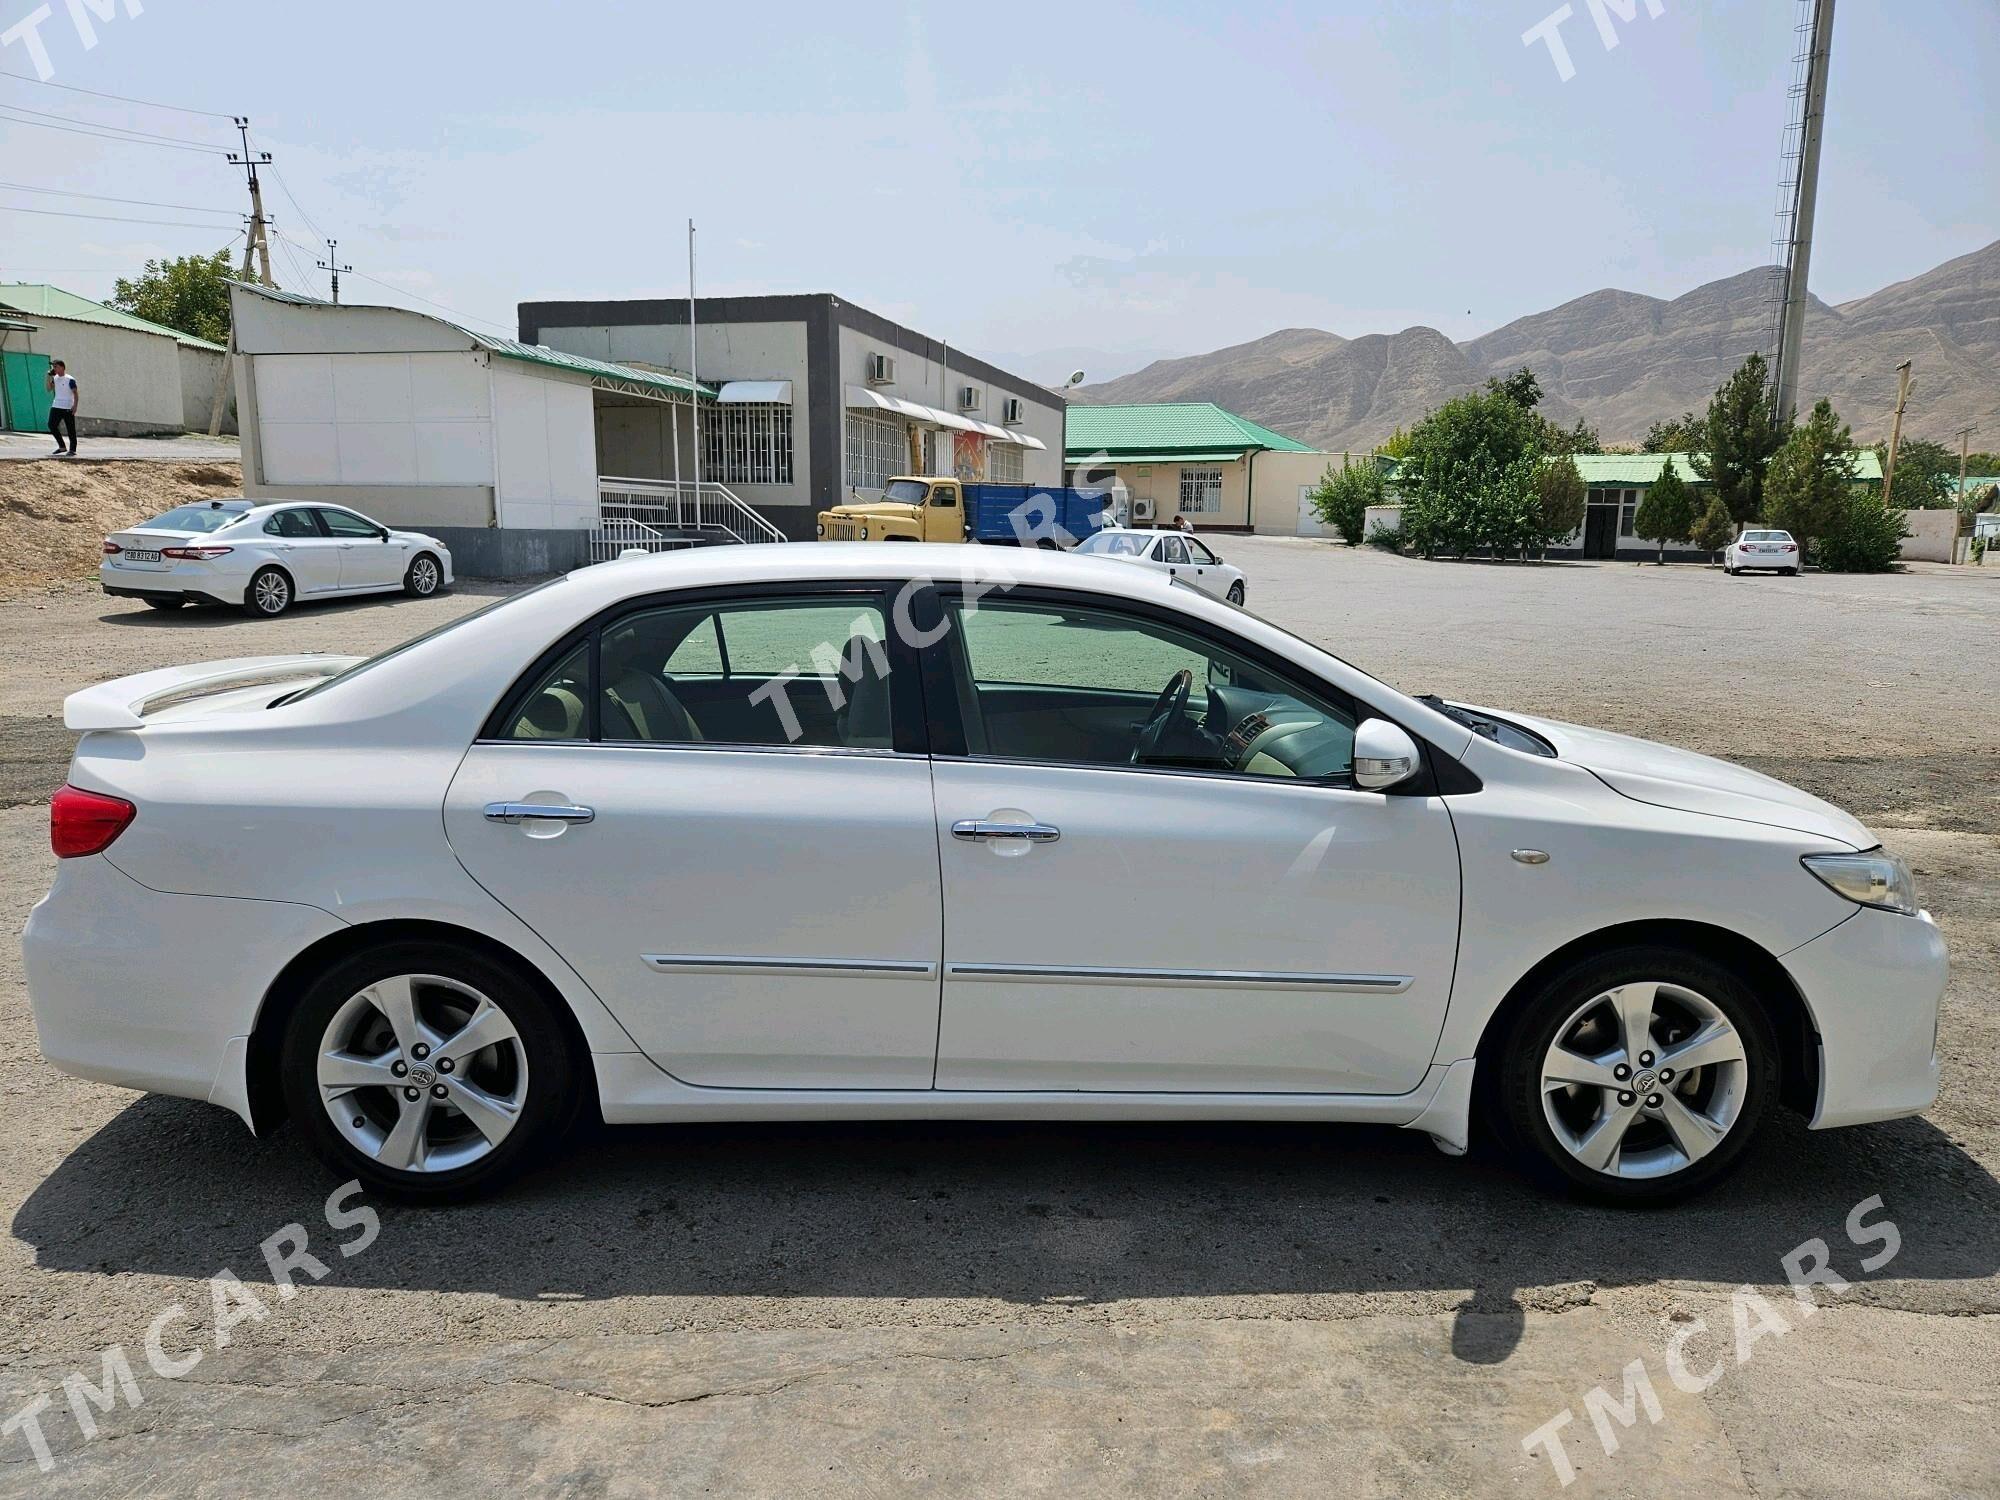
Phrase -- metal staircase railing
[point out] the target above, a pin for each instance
(645, 512)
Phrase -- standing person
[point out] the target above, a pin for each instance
(63, 395)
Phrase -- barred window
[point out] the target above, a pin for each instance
(747, 443)
(1004, 463)
(1201, 490)
(877, 451)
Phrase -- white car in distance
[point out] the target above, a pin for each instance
(1177, 554)
(834, 832)
(1761, 551)
(266, 556)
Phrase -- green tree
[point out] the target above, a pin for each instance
(1468, 479)
(1521, 388)
(1866, 537)
(1561, 497)
(1667, 513)
(1811, 477)
(1739, 440)
(1687, 433)
(1713, 529)
(1926, 475)
(190, 294)
(1343, 495)
(1398, 445)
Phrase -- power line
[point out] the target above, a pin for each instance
(56, 213)
(286, 188)
(121, 98)
(9, 111)
(150, 135)
(22, 187)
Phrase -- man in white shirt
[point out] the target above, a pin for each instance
(63, 395)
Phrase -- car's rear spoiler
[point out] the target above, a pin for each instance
(125, 702)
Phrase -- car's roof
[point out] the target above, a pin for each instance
(1137, 531)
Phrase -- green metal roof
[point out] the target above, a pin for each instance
(1604, 470)
(1164, 431)
(1121, 459)
(534, 354)
(40, 300)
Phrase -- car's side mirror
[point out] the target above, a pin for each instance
(1384, 755)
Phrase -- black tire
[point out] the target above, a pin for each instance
(1236, 594)
(269, 593)
(547, 1111)
(1519, 1113)
(1048, 544)
(165, 603)
(424, 577)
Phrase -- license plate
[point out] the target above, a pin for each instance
(132, 555)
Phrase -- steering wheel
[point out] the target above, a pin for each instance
(1167, 708)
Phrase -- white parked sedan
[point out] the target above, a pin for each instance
(265, 556)
(796, 833)
(1174, 553)
(1761, 551)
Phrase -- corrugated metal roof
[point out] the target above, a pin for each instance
(536, 354)
(1123, 460)
(1168, 427)
(1641, 469)
(40, 300)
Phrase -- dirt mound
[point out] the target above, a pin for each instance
(58, 514)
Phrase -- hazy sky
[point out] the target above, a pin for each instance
(1023, 178)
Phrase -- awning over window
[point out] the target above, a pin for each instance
(758, 392)
(861, 398)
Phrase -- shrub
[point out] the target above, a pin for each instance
(1343, 496)
(1865, 536)
(1713, 528)
(1388, 538)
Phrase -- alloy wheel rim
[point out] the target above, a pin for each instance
(1644, 1080)
(426, 575)
(272, 593)
(422, 1073)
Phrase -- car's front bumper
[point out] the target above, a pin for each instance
(1873, 985)
(146, 990)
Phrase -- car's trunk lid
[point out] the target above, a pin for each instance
(177, 693)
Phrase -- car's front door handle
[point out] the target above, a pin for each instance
(538, 812)
(973, 830)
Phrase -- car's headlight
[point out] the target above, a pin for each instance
(1872, 879)
(821, 528)
(864, 533)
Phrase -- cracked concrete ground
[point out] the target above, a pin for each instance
(1065, 1310)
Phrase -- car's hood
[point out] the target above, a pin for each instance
(1666, 777)
(875, 508)
(424, 538)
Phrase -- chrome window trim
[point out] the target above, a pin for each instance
(711, 963)
(708, 746)
(1372, 984)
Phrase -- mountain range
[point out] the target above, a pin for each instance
(1621, 361)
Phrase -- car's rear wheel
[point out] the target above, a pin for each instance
(269, 593)
(428, 1071)
(157, 603)
(424, 576)
(1637, 1077)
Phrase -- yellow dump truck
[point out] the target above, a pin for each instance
(939, 508)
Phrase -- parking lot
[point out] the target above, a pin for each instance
(1074, 1310)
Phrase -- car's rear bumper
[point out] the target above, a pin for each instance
(134, 987)
(1873, 985)
(189, 580)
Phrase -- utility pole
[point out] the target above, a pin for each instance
(1896, 432)
(1959, 517)
(694, 376)
(256, 243)
(332, 263)
(1791, 339)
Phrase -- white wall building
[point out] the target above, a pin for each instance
(138, 378)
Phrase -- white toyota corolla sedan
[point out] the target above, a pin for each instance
(804, 832)
(266, 556)
(1761, 552)
(1173, 554)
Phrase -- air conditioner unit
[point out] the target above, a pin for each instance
(881, 370)
(968, 398)
(1142, 508)
(1011, 411)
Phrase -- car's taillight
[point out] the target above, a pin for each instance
(111, 548)
(83, 822)
(1788, 547)
(198, 554)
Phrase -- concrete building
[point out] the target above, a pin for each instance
(139, 379)
(1615, 484)
(1222, 471)
(492, 445)
(816, 400)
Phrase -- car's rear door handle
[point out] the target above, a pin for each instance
(972, 830)
(538, 812)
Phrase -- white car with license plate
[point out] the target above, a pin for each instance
(267, 555)
(1177, 554)
(1761, 551)
(816, 832)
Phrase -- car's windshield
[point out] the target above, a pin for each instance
(429, 635)
(905, 492)
(1115, 544)
(202, 518)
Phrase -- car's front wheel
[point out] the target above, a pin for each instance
(428, 1071)
(269, 593)
(1638, 1076)
(424, 576)
(1236, 593)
